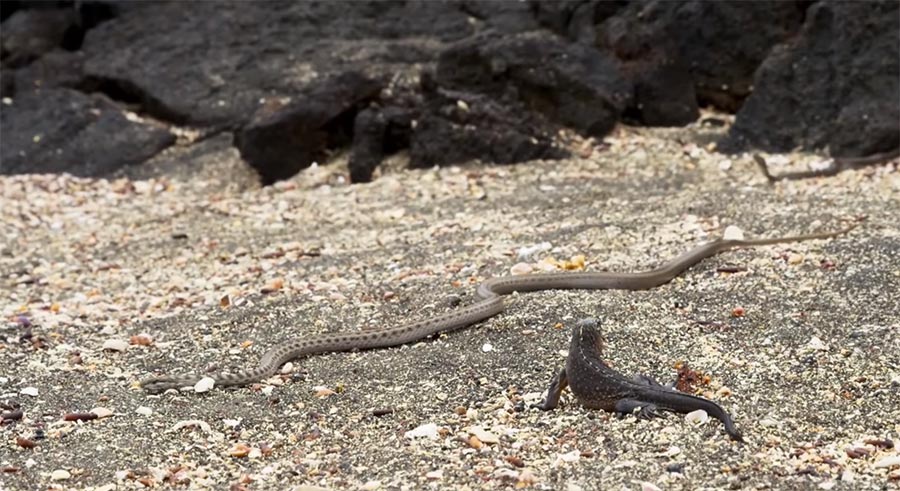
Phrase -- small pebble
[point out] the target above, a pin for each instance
(525, 253)
(519, 269)
(817, 344)
(205, 384)
(190, 423)
(568, 457)
(526, 479)
(428, 430)
(144, 411)
(274, 286)
(13, 415)
(434, 475)
(484, 435)
(857, 452)
(371, 486)
(239, 450)
(893, 460)
(322, 392)
(25, 442)
(142, 339)
(672, 451)
(115, 345)
(487, 347)
(79, 417)
(60, 475)
(29, 391)
(102, 412)
(733, 233)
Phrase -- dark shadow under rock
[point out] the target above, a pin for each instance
(55, 69)
(456, 127)
(445, 127)
(280, 140)
(576, 20)
(377, 133)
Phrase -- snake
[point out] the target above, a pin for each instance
(489, 302)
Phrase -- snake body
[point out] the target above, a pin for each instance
(489, 303)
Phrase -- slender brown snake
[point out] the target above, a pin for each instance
(490, 302)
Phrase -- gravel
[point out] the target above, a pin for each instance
(106, 282)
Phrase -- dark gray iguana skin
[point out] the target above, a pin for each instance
(597, 386)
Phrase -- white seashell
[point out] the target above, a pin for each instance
(733, 233)
(484, 435)
(205, 384)
(428, 430)
(102, 412)
(60, 475)
(893, 460)
(115, 345)
(697, 417)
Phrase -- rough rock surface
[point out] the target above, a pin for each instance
(211, 63)
(569, 83)
(709, 39)
(28, 34)
(537, 68)
(834, 85)
(62, 130)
